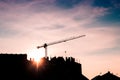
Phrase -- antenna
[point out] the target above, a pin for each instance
(45, 45)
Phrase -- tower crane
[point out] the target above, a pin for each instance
(45, 45)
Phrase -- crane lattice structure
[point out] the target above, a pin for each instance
(45, 45)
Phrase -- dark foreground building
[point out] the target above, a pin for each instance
(13, 66)
(106, 76)
(17, 67)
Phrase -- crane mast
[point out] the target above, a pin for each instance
(45, 45)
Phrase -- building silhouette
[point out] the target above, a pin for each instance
(106, 76)
(13, 66)
(17, 67)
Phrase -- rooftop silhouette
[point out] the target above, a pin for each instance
(106, 76)
(17, 67)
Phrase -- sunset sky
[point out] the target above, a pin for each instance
(26, 24)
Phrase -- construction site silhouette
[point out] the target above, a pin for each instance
(17, 67)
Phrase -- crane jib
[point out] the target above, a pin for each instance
(45, 45)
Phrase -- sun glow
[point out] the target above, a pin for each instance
(36, 54)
